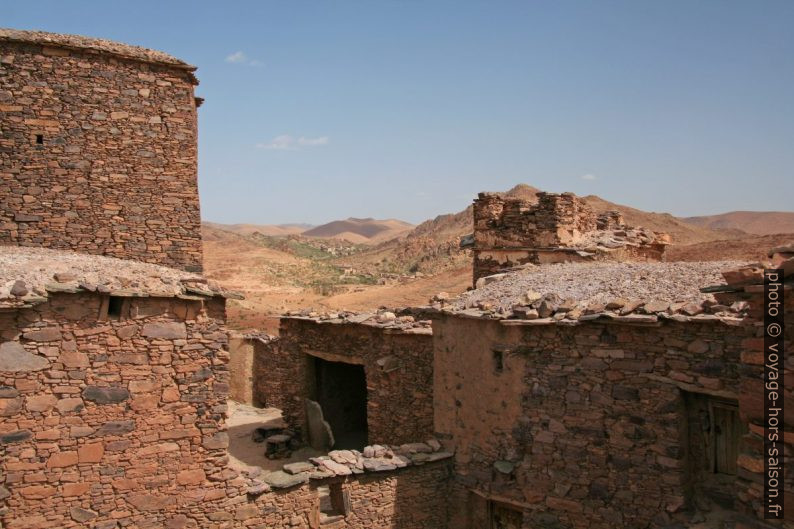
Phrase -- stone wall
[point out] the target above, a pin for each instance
(577, 425)
(750, 484)
(111, 419)
(409, 498)
(555, 220)
(98, 154)
(241, 365)
(398, 367)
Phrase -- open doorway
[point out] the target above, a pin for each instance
(341, 391)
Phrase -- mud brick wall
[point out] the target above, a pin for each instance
(115, 172)
(577, 426)
(106, 420)
(409, 498)
(399, 388)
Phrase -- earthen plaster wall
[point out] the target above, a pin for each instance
(577, 426)
(98, 154)
(398, 367)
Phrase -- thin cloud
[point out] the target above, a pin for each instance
(588, 176)
(236, 57)
(286, 142)
(239, 57)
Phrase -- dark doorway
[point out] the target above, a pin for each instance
(342, 394)
(713, 430)
(504, 516)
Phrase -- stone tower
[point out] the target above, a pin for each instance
(98, 149)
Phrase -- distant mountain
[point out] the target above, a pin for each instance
(361, 231)
(755, 222)
(274, 230)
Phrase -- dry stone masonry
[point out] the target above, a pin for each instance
(98, 149)
(575, 395)
(395, 353)
(510, 232)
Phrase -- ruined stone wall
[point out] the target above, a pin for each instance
(98, 154)
(576, 426)
(105, 420)
(510, 232)
(555, 220)
(398, 367)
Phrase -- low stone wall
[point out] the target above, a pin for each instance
(409, 498)
(579, 425)
(398, 365)
(105, 420)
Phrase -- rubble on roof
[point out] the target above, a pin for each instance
(372, 459)
(29, 275)
(641, 293)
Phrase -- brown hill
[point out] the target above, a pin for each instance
(749, 248)
(431, 246)
(273, 230)
(361, 231)
(755, 222)
(681, 232)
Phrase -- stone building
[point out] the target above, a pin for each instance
(372, 376)
(606, 409)
(113, 385)
(98, 149)
(511, 231)
(113, 373)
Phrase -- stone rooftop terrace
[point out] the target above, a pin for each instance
(28, 275)
(80, 42)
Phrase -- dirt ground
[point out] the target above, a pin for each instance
(244, 453)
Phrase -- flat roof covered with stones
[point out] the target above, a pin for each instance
(382, 319)
(90, 44)
(583, 291)
(28, 275)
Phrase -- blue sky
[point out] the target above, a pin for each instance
(317, 110)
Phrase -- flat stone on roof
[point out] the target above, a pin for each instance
(28, 275)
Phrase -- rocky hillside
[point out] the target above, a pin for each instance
(754, 222)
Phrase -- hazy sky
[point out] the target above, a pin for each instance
(406, 108)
